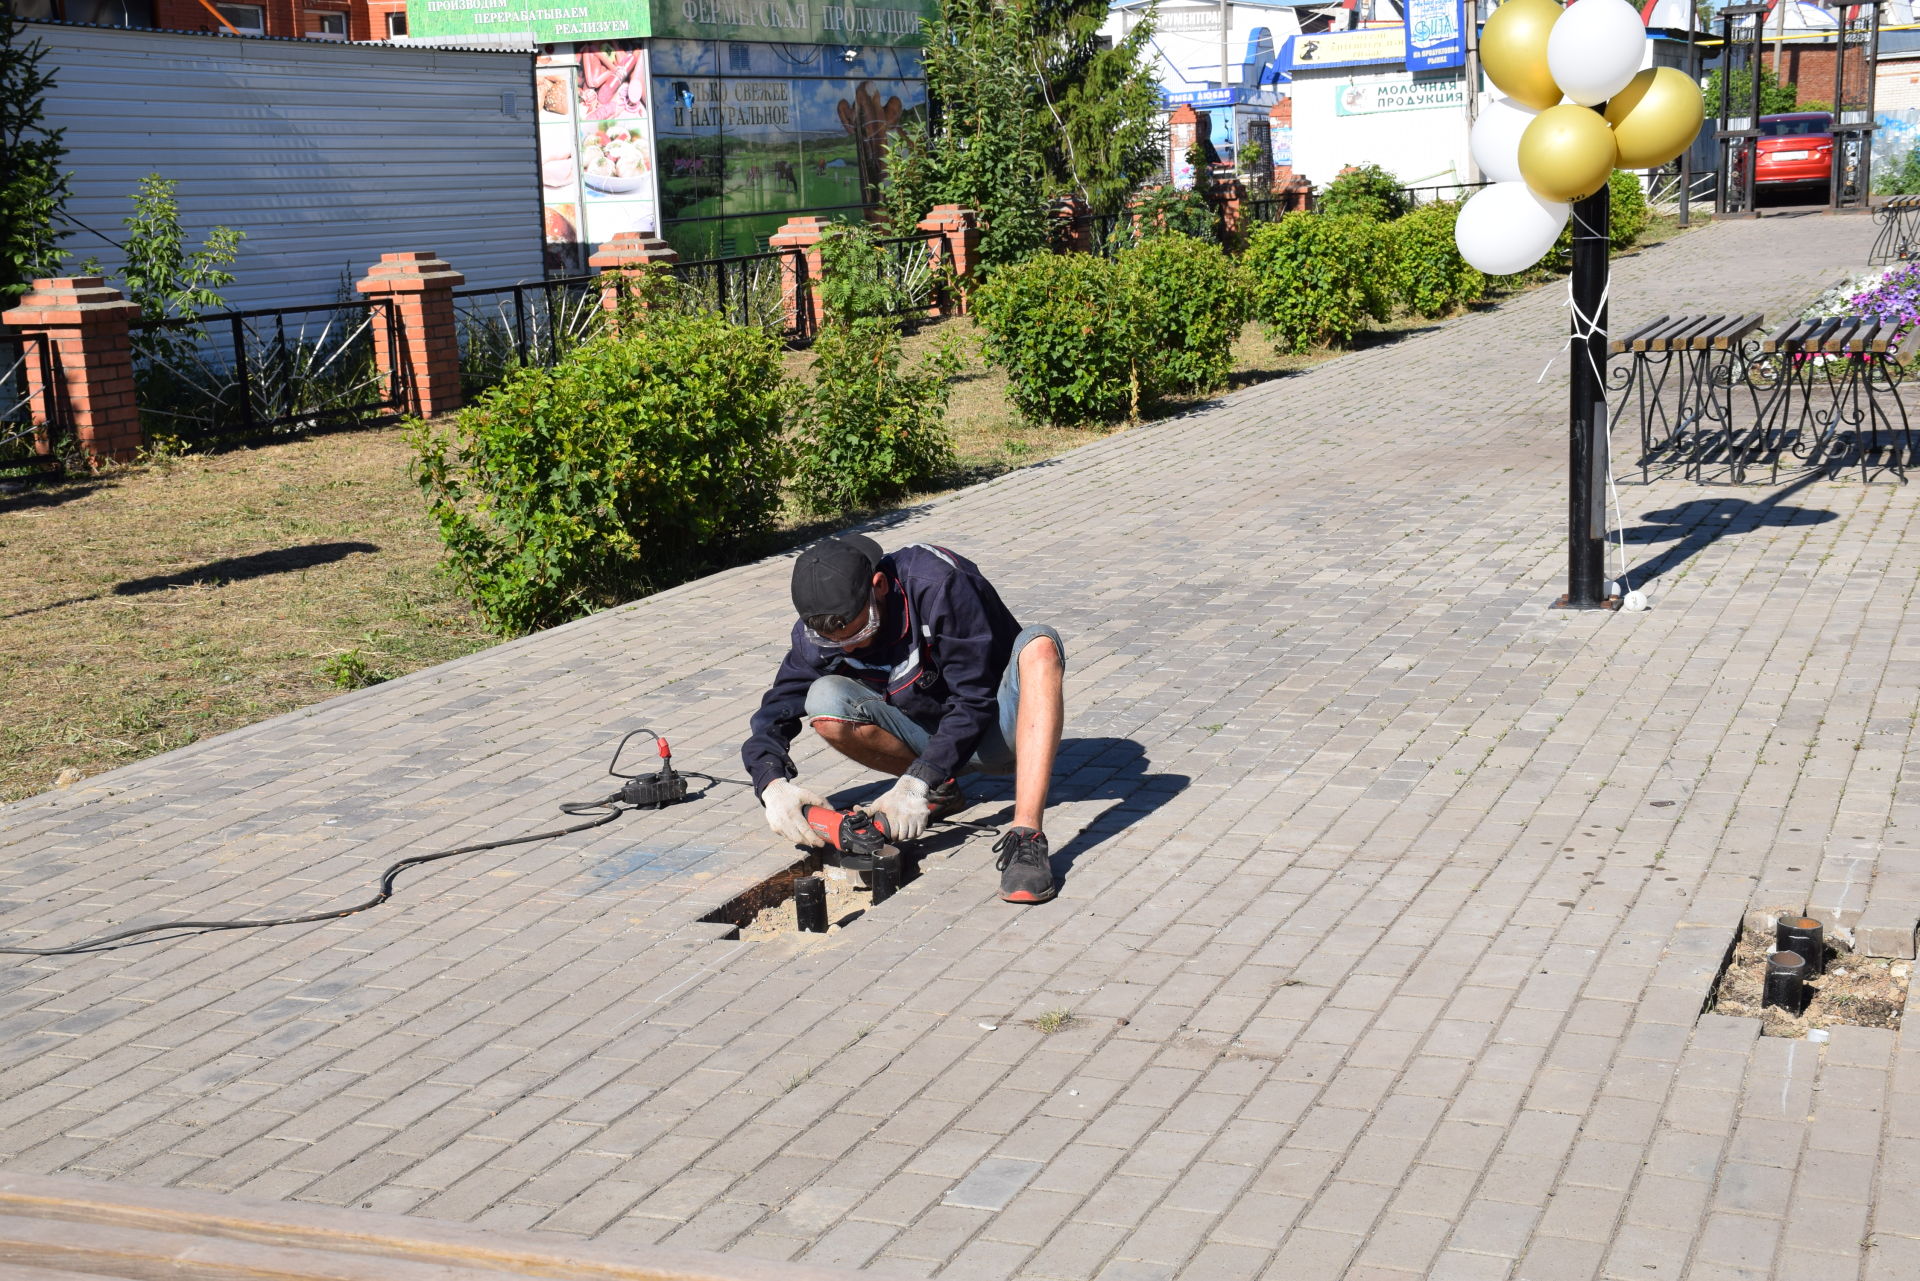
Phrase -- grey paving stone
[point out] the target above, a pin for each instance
(1410, 964)
(992, 1183)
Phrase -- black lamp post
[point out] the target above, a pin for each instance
(1587, 410)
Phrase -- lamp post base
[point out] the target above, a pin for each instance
(1567, 602)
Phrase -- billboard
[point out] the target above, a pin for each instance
(596, 148)
(749, 134)
(885, 23)
(547, 24)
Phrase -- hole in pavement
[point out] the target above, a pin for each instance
(1855, 991)
(765, 910)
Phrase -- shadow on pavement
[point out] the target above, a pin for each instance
(1087, 769)
(1699, 524)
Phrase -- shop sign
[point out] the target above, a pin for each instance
(1401, 93)
(851, 23)
(822, 22)
(1202, 97)
(548, 24)
(1434, 37)
(1343, 49)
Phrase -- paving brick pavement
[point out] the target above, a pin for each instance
(1393, 895)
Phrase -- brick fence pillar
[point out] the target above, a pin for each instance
(1073, 225)
(422, 361)
(625, 260)
(959, 244)
(1232, 195)
(85, 324)
(800, 295)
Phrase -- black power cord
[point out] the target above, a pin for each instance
(657, 790)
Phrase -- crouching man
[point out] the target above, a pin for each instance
(910, 664)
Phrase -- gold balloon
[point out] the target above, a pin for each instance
(1567, 152)
(1513, 50)
(1655, 118)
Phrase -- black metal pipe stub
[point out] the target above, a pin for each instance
(1786, 984)
(1802, 936)
(885, 877)
(810, 904)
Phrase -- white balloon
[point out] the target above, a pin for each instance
(1495, 141)
(1506, 228)
(1595, 47)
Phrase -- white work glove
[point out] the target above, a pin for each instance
(787, 812)
(905, 806)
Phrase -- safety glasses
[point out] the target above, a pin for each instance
(860, 637)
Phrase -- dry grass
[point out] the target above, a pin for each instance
(157, 605)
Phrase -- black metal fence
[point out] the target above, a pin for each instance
(1437, 192)
(243, 377)
(918, 269)
(752, 289)
(23, 430)
(504, 328)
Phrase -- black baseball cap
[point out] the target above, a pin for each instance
(834, 577)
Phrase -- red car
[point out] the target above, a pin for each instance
(1796, 148)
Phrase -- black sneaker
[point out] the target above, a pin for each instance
(1026, 876)
(944, 800)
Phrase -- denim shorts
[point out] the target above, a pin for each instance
(842, 698)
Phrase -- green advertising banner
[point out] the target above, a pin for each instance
(549, 24)
(848, 22)
(813, 22)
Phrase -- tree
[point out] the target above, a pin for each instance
(1774, 96)
(162, 275)
(32, 188)
(982, 148)
(1099, 105)
(1026, 102)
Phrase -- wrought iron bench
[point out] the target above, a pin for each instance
(1827, 393)
(1899, 238)
(1680, 382)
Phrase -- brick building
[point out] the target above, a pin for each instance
(299, 19)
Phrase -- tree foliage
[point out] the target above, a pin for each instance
(167, 279)
(1026, 103)
(1774, 96)
(983, 145)
(32, 188)
(1101, 102)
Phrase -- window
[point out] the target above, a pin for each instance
(1796, 126)
(397, 24)
(247, 19)
(326, 25)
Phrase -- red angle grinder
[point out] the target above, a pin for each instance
(858, 836)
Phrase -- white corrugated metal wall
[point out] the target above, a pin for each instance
(326, 155)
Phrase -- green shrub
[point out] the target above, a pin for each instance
(630, 465)
(1168, 211)
(1368, 190)
(1627, 211)
(1318, 277)
(1069, 336)
(1902, 179)
(858, 279)
(868, 431)
(1430, 276)
(1192, 303)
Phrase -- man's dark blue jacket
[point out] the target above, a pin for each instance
(943, 642)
